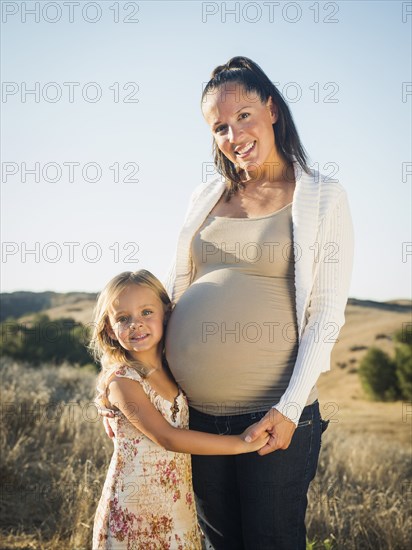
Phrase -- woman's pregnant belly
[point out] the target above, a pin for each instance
(232, 341)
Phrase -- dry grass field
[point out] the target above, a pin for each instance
(55, 453)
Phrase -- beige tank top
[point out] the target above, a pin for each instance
(232, 339)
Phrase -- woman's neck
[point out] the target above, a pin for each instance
(276, 172)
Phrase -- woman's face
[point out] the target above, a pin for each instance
(242, 126)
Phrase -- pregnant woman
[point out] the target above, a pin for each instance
(260, 281)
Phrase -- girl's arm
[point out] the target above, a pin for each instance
(131, 400)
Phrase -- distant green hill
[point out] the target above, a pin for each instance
(402, 305)
(16, 304)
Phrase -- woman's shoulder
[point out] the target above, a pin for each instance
(208, 188)
(323, 182)
(325, 189)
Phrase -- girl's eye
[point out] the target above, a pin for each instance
(244, 115)
(147, 312)
(122, 319)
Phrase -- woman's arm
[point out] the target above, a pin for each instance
(326, 310)
(131, 400)
(325, 318)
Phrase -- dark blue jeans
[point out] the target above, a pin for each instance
(256, 502)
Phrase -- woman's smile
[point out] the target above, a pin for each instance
(244, 152)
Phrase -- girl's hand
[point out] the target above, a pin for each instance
(106, 414)
(279, 427)
(256, 444)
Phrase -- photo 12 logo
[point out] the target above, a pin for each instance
(325, 172)
(406, 91)
(318, 92)
(68, 172)
(69, 12)
(73, 251)
(69, 92)
(270, 12)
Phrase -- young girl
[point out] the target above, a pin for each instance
(147, 499)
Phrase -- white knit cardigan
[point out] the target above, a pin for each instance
(323, 247)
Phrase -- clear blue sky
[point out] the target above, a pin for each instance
(344, 66)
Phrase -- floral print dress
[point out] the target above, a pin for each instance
(147, 500)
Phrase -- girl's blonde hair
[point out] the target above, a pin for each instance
(106, 350)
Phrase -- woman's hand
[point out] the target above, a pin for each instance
(257, 443)
(106, 414)
(279, 427)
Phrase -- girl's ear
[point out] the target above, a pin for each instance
(109, 330)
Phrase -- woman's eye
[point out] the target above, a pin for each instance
(219, 129)
(244, 115)
(147, 312)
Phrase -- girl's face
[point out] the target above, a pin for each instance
(136, 321)
(242, 126)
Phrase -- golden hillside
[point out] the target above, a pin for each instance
(341, 394)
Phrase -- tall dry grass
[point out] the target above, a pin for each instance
(55, 455)
(361, 497)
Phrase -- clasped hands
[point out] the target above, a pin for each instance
(278, 426)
